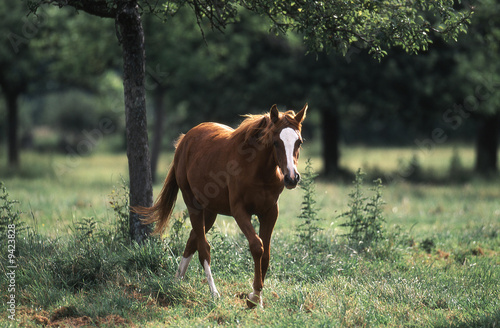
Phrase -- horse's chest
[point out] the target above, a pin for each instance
(261, 200)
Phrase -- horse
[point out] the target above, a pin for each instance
(235, 172)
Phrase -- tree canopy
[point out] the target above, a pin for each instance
(376, 25)
(324, 25)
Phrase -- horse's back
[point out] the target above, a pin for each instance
(202, 153)
(204, 139)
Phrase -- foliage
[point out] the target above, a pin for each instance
(119, 202)
(84, 230)
(308, 213)
(178, 233)
(324, 25)
(9, 215)
(365, 216)
(428, 245)
(476, 75)
(375, 25)
(151, 257)
(457, 170)
(23, 65)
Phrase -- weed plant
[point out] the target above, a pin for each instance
(178, 233)
(119, 202)
(309, 227)
(364, 219)
(9, 215)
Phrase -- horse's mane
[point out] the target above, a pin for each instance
(262, 128)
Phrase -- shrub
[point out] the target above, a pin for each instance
(457, 171)
(308, 213)
(119, 201)
(364, 217)
(151, 256)
(178, 233)
(8, 214)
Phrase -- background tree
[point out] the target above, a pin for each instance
(362, 100)
(479, 73)
(20, 65)
(37, 60)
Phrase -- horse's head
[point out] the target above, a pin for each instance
(287, 140)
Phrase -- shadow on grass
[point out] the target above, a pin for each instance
(485, 320)
(413, 175)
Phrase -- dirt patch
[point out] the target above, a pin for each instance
(68, 317)
(64, 312)
(111, 320)
(73, 322)
(442, 254)
(41, 320)
(478, 251)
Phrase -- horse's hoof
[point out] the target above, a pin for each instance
(251, 304)
(253, 300)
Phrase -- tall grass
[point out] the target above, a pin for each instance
(436, 265)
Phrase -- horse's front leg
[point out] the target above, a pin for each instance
(267, 222)
(244, 221)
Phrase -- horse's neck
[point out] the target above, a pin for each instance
(257, 160)
(266, 167)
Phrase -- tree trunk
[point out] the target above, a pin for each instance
(157, 130)
(330, 140)
(141, 188)
(487, 145)
(13, 123)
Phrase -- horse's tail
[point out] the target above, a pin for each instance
(161, 211)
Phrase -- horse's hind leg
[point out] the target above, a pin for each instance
(187, 255)
(199, 228)
(201, 223)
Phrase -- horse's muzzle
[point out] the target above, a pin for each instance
(292, 183)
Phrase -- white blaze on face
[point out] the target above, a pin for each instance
(289, 136)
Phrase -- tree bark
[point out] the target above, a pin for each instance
(330, 140)
(157, 129)
(141, 188)
(13, 123)
(487, 145)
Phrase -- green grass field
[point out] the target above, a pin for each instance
(437, 267)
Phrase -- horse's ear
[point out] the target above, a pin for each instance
(274, 114)
(302, 114)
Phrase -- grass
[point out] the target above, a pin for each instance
(437, 267)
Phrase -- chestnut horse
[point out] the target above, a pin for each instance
(238, 173)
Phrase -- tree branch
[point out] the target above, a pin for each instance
(100, 8)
